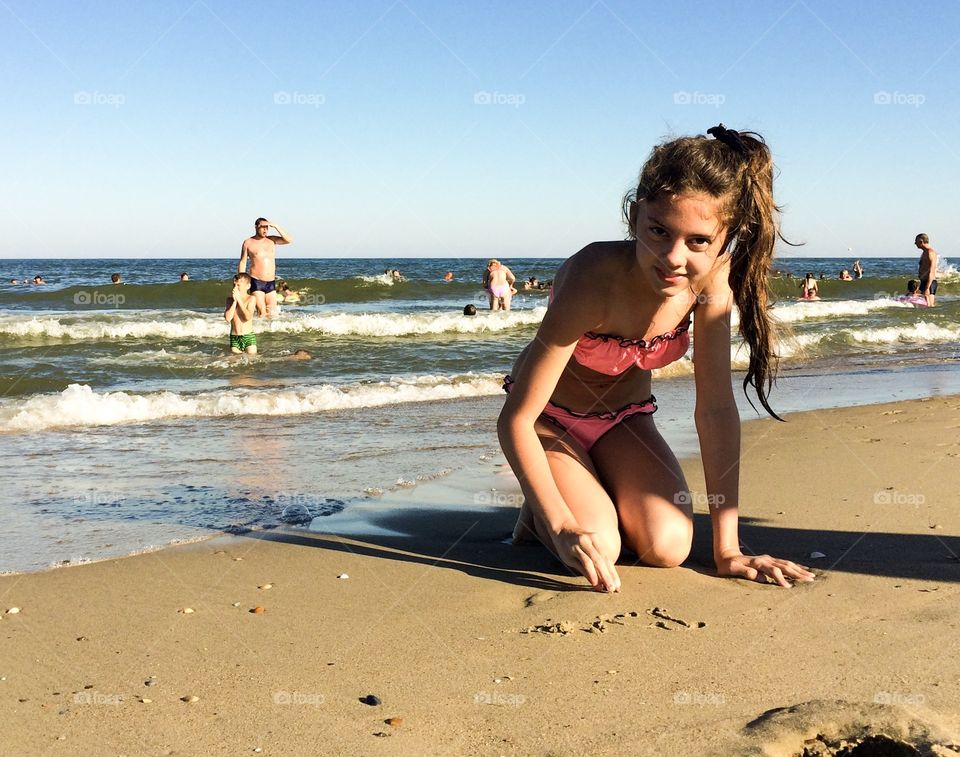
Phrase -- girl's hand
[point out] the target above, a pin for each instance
(763, 568)
(579, 550)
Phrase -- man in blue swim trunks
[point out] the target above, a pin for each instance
(261, 249)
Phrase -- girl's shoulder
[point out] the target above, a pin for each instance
(595, 264)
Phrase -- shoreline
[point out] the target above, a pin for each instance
(483, 648)
(677, 428)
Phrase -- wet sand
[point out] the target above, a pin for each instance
(478, 647)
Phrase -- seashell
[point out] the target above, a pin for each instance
(13, 611)
(394, 721)
(190, 698)
(265, 586)
(258, 610)
(371, 699)
(343, 575)
(187, 610)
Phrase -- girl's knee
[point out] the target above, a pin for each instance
(668, 545)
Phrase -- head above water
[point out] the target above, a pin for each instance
(913, 286)
(735, 170)
(470, 309)
(921, 240)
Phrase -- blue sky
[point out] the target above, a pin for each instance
(439, 128)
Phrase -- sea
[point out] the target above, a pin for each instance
(126, 425)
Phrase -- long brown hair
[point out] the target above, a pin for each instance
(737, 169)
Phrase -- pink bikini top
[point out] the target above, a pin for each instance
(612, 355)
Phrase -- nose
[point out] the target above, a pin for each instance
(675, 257)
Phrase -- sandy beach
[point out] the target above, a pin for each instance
(472, 646)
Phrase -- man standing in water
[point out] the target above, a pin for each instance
(261, 249)
(928, 268)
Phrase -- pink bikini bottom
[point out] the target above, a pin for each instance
(587, 428)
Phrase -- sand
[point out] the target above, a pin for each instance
(478, 647)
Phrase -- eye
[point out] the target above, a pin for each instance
(657, 231)
(700, 242)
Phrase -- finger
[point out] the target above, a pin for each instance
(587, 567)
(793, 570)
(777, 575)
(603, 565)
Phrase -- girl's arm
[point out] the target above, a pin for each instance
(718, 426)
(574, 311)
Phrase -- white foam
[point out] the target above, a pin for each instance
(383, 278)
(803, 311)
(141, 325)
(916, 334)
(80, 405)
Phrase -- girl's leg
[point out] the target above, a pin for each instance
(576, 478)
(653, 501)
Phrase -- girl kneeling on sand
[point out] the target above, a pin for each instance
(577, 426)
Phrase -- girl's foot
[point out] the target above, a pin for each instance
(525, 531)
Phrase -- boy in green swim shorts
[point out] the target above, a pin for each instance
(239, 313)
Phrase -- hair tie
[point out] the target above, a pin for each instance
(729, 137)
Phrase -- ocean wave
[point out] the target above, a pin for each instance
(121, 325)
(80, 405)
(810, 310)
(916, 335)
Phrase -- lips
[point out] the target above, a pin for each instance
(669, 278)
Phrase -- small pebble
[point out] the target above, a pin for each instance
(187, 610)
(816, 555)
(258, 610)
(13, 611)
(236, 604)
(150, 682)
(266, 586)
(237, 559)
(146, 701)
(82, 638)
(394, 721)
(371, 699)
(257, 749)
(611, 672)
(343, 575)
(191, 698)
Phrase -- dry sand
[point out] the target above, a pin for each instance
(435, 620)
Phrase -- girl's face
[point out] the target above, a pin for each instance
(678, 241)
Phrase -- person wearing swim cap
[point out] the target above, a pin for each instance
(498, 280)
